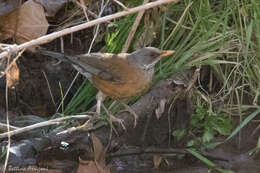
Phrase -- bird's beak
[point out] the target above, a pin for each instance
(166, 53)
(163, 54)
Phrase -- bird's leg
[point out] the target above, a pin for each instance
(112, 117)
(131, 111)
(100, 97)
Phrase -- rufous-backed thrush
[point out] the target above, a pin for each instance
(118, 76)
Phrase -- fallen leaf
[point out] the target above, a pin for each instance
(91, 167)
(157, 160)
(97, 166)
(25, 23)
(12, 75)
(99, 150)
(159, 111)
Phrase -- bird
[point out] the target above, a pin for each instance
(117, 76)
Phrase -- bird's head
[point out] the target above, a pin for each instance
(147, 57)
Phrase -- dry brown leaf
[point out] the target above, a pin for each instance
(12, 75)
(25, 23)
(159, 111)
(87, 168)
(157, 160)
(97, 166)
(99, 150)
(92, 167)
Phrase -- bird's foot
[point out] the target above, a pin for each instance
(100, 98)
(131, 111)
(113, 118)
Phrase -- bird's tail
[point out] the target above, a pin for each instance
(71, 59)
(57, 55)
(82, 67)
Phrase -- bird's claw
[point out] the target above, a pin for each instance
(131, 111)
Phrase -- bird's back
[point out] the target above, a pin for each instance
(133, 80)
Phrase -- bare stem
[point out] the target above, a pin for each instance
(54, 35)
(134, 28)
(41, 124)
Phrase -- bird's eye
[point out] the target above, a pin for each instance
(154, 55)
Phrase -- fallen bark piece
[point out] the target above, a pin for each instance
(145, 105)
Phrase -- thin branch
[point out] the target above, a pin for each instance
(84, 8)
(178, 23)
(103, 6)
(121, 4)
(3, 127)
(11, 64)
(54, 35)
(49, 88)
(41, 124)
(134, 28)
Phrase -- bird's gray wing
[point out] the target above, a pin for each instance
(98, 64)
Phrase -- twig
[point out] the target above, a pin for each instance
(103, 6)
(54, 35)
(178, 23)
(7, 118)
(49, 88)
(84, 8)
(121, 4)
(11, 64)
(3, 127)
(134, 28)
(42, 124)
(193, 80)
(96, 16)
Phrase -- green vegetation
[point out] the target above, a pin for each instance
(221, 34)
(206, 124)
(208, 162)
(116, 39)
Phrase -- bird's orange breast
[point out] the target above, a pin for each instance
(133, 81)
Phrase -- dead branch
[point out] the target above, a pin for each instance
(134, 28)
(48, 38)
(144, 106)
(56, 121)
